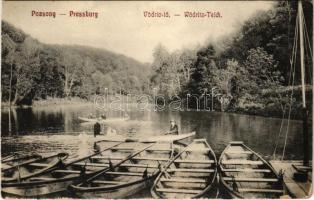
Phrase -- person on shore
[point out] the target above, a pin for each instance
(174, 130)
(97, 129)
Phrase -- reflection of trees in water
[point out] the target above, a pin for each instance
(218, 128)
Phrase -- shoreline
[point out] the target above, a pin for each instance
(82, 102)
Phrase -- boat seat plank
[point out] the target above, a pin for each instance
(195, 161)
(178, 191)
(42, 179)
(109, 182)
(239, 152)
(39, 165)
(198, 150)
(244, 179)
(122, 148)
(168, 150)
(241, 162)
(122, 165)
(260, 190)
(183, 180)
(247, 170)
(67, 171)
(125, 173)
(134, 158)
(192, 170)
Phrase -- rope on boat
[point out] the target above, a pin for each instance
(294, 53)
(291, 74)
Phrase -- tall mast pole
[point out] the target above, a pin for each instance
(305, 131)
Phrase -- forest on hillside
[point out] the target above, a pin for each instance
(41, 70)
(248, 72)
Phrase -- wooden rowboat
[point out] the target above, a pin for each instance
(191, 174)
(100, 120)
(31, 168)
(245, 174)
(148, 138)
(123, 180)
(16, 159)
(58, 178)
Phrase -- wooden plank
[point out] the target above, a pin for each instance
(125, 173)
(67, 171)
(239, 152)
(297, 189)
(247, 170)
(109, 182)
(245, 179)
(198, 150)
(42, 179)
(168, 150)
(178, 191)
(195, 161)
(134, 158)
(236, 142)
(192, 170)
(122, 165)
(260, 190)
(122, 149)
(241, 162)
(183, 180)
(185, 191)
(39, 165)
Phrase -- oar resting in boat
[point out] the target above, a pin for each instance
(13, 160)
(245, 174)
(59, 178)
(28, 169)
(190, 174)
(126, 177)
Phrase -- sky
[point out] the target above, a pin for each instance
(122, 28)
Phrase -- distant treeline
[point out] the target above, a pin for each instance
(40, 70)
(247, 72)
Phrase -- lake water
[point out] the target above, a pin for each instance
(57, 128)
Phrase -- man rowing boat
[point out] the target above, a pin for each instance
(174, 130)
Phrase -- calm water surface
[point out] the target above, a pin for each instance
(56, 129)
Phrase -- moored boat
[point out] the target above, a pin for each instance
(190, 174)
(245, 174)
(15, 159)
(31, 168)
(147, 138)
(59, 178)
(128, 178)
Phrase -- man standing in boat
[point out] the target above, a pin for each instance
(97, 129)
(174, 130)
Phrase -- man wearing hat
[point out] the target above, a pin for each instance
(173, 128)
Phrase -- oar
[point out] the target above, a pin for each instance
(164, 169)
(118, 164)
(97, 153)
(21, 164)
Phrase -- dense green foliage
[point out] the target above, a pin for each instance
(40, 70)
(246, 71)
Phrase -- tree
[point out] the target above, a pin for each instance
(27, 70)
(201, 77)
(225, 82)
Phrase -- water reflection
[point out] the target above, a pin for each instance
(57, 128)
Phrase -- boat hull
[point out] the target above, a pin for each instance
(117, 193)
(40, 190)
